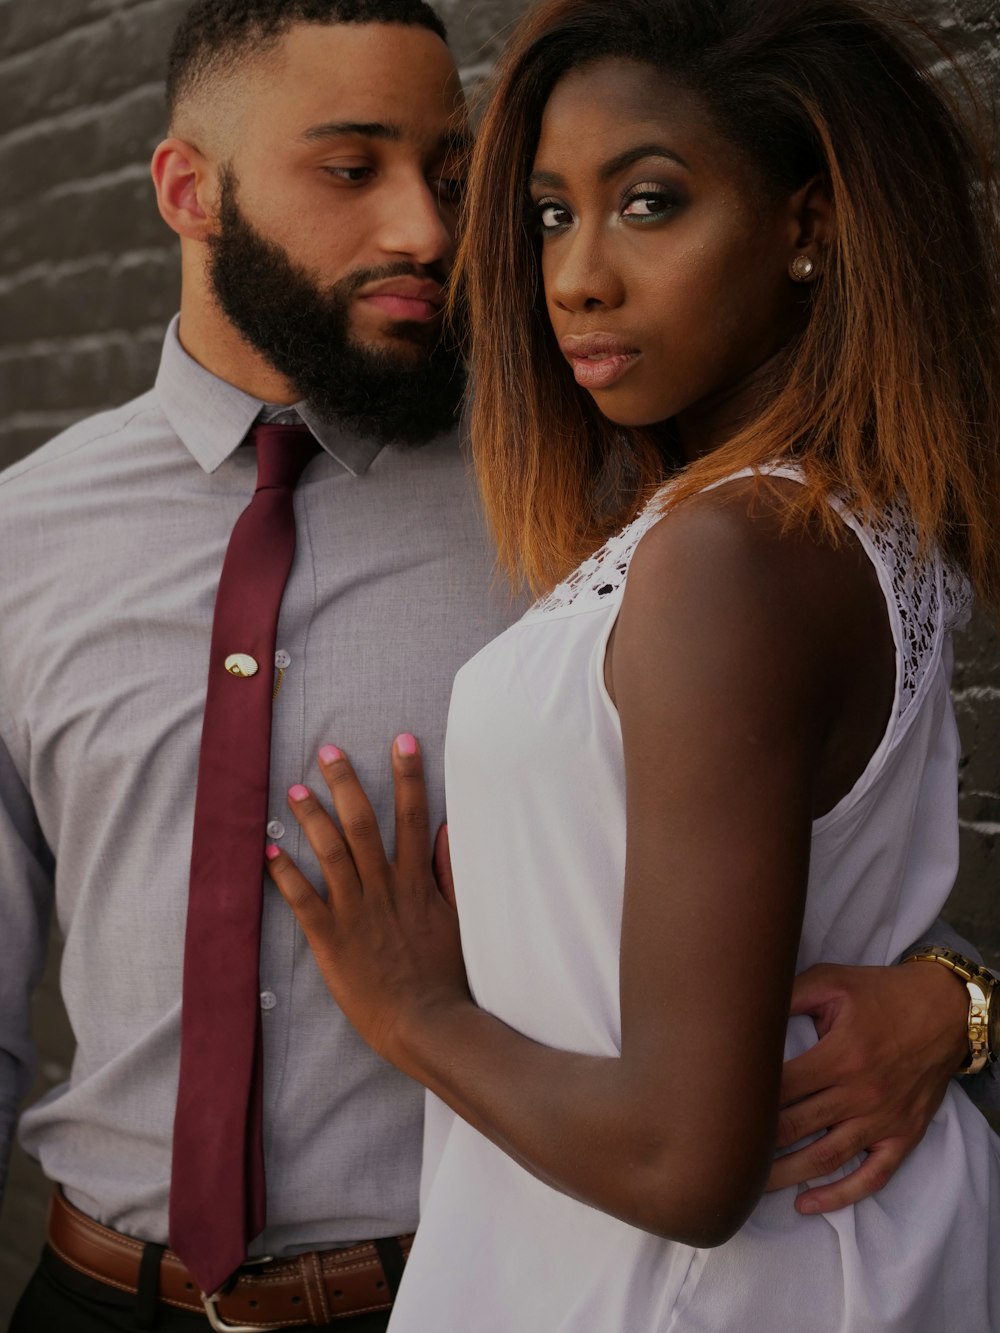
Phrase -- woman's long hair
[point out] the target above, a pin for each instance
(894, 384)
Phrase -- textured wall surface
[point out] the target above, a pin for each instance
(89, 277)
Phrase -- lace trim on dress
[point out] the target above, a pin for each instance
(932, 596)
(603, 573)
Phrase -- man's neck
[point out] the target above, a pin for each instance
(209, 338)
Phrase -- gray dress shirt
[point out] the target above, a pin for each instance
(113, 537)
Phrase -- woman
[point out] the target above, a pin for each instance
(734, 305)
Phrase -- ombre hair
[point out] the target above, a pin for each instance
(892, 387)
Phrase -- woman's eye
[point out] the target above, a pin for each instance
(648, 204)
(551, 216)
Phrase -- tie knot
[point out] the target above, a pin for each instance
(282, 454)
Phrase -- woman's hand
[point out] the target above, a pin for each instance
(386, 939)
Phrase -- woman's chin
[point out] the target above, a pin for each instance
(633, 416)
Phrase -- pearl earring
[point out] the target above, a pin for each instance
(802, 268)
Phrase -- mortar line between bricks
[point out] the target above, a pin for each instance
(79, 344)
(130, 171)
(18, 53)
(75, 117)
(977, 694)
(984, 828)
(72, 268)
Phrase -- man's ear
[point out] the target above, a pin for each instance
(811, 222)
(186, 185)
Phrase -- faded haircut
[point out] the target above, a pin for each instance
(216, 37)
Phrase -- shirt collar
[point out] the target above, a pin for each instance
(212, 417)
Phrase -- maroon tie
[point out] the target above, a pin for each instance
(217, 1181)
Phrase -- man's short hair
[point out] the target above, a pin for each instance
(214, 37)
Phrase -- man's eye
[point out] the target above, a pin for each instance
(353, 175)
(452, 189)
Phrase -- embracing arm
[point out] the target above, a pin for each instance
(724, 676)
(869, 1088)
(26, 891)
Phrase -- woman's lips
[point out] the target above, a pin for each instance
(602, 372)
(598, 360)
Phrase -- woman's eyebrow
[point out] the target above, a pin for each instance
(549, 178)
(612, 167)
(633, 155)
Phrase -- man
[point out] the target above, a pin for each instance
(313, 175)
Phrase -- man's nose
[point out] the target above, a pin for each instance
(417, 224)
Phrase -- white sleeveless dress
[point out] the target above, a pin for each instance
(536, 805)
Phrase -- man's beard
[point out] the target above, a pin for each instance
(303, 331)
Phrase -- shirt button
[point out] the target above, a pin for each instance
(268, 999)
(282, 660)
(275, 829)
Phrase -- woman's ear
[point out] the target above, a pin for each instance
(810, 229)
(185, 189)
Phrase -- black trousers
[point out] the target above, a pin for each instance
(58, 1299)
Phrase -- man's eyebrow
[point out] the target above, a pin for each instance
(354, 129)
(612, 167)
(452, 141)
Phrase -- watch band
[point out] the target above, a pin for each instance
(982, 986)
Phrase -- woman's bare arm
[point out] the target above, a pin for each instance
(733, 668)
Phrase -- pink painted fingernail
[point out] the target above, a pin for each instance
(271, 852)
(298, 792)
(406, 744)
(330, 754)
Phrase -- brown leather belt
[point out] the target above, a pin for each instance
(311, 1289)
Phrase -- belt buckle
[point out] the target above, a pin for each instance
(221, 1325)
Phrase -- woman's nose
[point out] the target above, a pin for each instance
(579, 273)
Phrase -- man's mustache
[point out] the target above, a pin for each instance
(346, 287)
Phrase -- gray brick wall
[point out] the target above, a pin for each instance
(89, 277)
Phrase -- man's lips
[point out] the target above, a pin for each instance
(405, 298)
(598, 359)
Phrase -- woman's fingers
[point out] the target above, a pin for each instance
(353, 855)
(329, 847)
(357, 818)
(312, 912)
(442, 866)
(413, 830)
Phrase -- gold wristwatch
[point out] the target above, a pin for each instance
(984, 1008)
